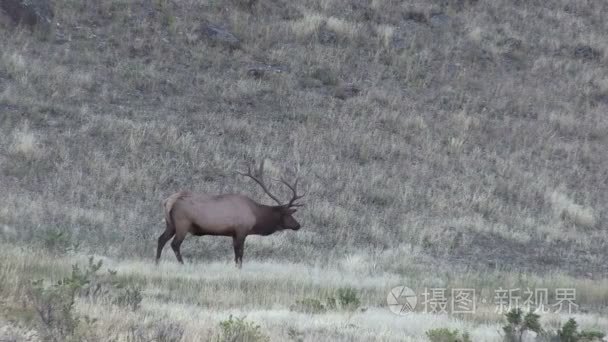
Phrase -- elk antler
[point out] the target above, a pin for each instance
(294, 190)
(259, 178)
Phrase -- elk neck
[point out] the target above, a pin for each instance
(267, 220)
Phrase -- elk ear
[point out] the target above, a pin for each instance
(290, 211)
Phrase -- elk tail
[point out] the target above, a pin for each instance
(168, 204)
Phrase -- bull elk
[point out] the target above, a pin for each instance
(232, 215)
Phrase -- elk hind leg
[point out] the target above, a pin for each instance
(162, 240)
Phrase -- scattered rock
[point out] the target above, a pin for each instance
(587, 53)
(262, 70)
(418, 17)
(29, 12)
(218, 35)
(346, 91)
(6, 108)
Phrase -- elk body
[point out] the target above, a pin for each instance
(231, 215)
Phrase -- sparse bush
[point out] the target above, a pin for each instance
(447, 335)
(331, 303)
(589, 336)
(295, 335)
(129, 101)
(130, 297)
(168, 332)
(54, 304)
(518, 324)
(109, 286)
(158, 331)
(308, 305)
(56, 241)
(348, 298)
(238, 329)
(168, 19)
(569, 333)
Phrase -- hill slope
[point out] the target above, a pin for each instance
(466, 132)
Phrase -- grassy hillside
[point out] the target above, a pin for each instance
(452, 136)
(478, 119)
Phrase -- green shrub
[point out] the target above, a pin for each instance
(238, 329)
(518, 324)
(295, 335)
(330, 303)
(308, 305)
(590, 336)
(447, 335)
(569, 333)
(54, 304)
(348, 298)
(56, 241)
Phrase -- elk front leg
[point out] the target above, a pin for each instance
(176, 244)
(239, 245)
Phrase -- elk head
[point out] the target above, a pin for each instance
(284, 211)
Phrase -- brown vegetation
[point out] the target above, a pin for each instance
(408, 119)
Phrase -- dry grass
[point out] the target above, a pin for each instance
(194, 298)
(25, 143)
(566, 209)
(477, 139)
